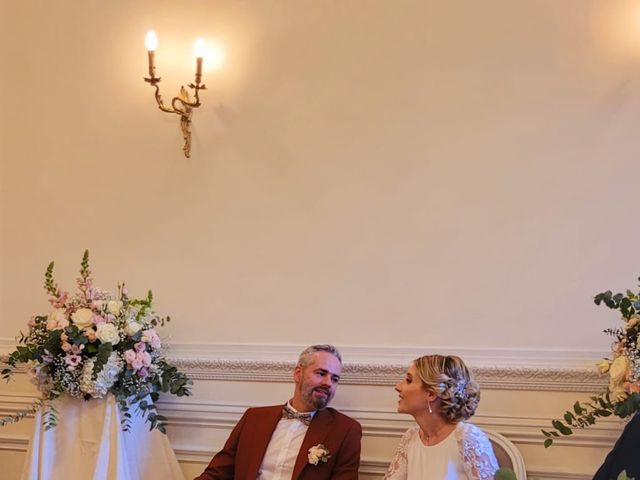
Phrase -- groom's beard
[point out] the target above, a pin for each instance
(318, 397)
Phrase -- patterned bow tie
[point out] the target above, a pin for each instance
(289, 413)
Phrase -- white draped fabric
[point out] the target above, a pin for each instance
(88, 443)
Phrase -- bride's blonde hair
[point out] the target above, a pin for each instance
(450, 379)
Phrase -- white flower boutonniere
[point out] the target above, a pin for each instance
(318, 454)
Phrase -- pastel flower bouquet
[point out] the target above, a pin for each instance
(94, 343)
(622, 396)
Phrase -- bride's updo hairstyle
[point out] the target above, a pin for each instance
(450, 379)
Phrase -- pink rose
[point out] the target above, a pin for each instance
(140, 347)
(129, 356)
(143, 373)
(145, 358)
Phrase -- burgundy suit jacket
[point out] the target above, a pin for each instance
(242, 455)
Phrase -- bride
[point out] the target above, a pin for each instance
(440, 394)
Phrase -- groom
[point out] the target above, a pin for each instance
(301, 440)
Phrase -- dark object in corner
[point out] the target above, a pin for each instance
(624, 455)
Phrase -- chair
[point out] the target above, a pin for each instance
(507, 454)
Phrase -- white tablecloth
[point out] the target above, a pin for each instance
(89, 444)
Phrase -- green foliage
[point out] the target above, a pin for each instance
(505, 474)
(49, 285)
(100, 360)
(21, 414)
(583, 415)
(174, 381)
(625, 345)
(628, 407)
(85, 273)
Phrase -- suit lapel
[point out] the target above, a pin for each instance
(317, 432)
(261, 433)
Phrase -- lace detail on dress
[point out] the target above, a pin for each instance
(398, 467)
(477, 454)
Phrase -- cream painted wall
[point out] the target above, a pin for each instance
(406, 174)
(385, 169)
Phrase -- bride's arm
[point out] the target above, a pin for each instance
(479, 460)
(398, 467)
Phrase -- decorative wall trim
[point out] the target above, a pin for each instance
(540, 474)
(501, 369)
(14, 443)
(521, 430)
(501, 378)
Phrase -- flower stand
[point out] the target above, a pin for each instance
(88, 443)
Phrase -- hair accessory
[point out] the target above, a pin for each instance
(460, 390)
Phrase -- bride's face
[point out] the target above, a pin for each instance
(413, 398)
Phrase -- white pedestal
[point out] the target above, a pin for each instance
(89, 444)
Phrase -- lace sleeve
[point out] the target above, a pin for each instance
(477, 454)
(398, 467)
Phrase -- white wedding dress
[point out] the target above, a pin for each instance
(466, 454)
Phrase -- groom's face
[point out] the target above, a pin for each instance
(316, 383)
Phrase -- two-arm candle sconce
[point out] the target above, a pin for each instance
(182, 105)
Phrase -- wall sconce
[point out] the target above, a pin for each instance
(182, 105)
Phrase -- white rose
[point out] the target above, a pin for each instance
(603, 366)
(131, 328)
(82, 318)
(618, 371)
(107, 333)
(114, 306)
(618, 394)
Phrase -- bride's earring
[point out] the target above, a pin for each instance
(429, 406)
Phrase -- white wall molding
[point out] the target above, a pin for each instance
(368, 466)
(189, 415)
(501, 369)
(522, 430)
(545, 473)
(14, 443)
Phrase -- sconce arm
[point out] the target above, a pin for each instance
(181, 105)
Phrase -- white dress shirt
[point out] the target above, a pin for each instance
(282, 452)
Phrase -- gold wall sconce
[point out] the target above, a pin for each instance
(182, 105)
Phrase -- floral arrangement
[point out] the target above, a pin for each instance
(318, 454)
(622, 396)
(94, 343)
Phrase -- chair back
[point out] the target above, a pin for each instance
(507, 454)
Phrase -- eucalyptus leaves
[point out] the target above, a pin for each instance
(622, 397)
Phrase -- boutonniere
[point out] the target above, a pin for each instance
(318, 454)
